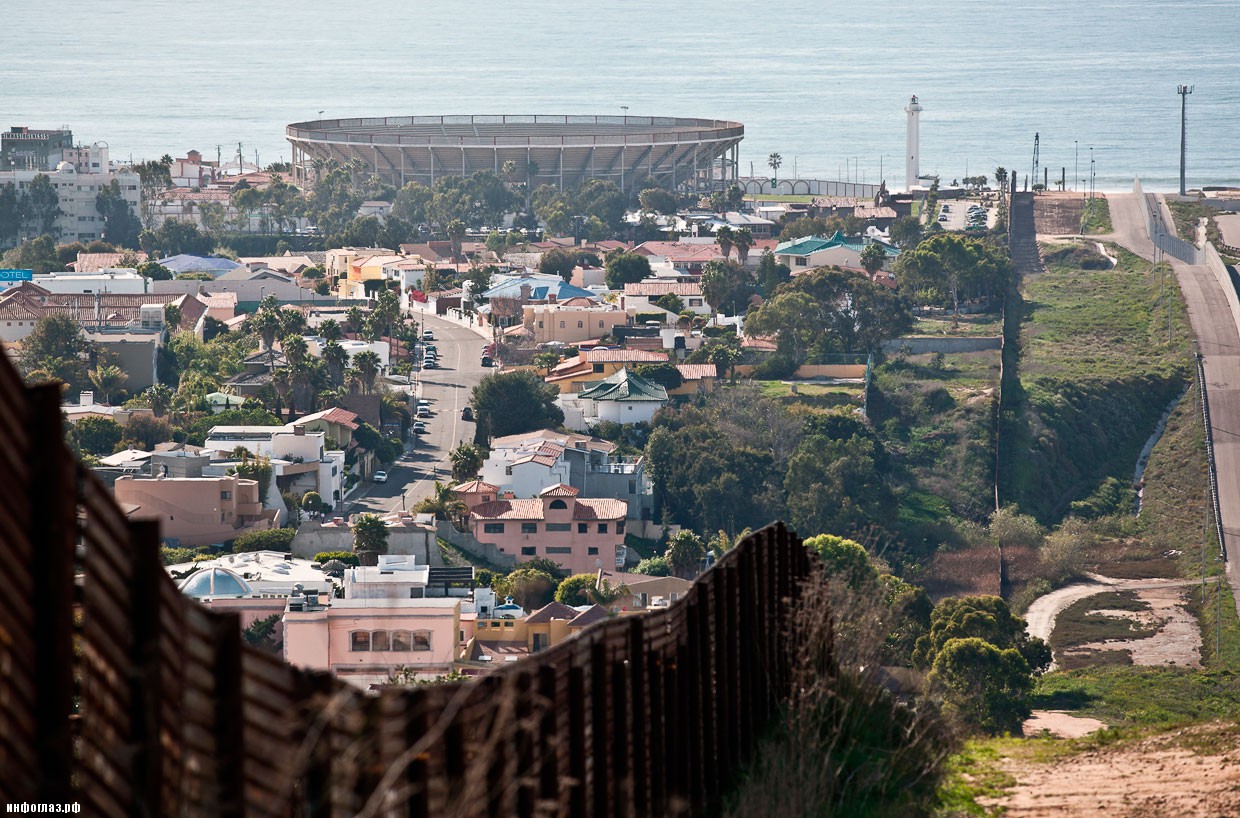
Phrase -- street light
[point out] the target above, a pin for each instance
(1076, 165)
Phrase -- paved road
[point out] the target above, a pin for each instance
(1219, 342)
(448, 389)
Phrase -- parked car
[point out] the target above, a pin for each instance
(419, 428)
(428, 335)
(486, 361)
(380, 477)
(423, 412)
(467, 414)
(429, 363)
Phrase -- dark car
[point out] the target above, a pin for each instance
(467, 413)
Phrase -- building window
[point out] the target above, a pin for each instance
(540, 324)
(379, 640)
(583, 528)
(553, 528)
(598, 367)
(695, 302)
(600, 324)
(620, 527)
(400, 640)
(559, 549)
(580, 325)
(225, 495)
(592, 551)
(508, 470)
(421, 640)
(529, 551)
(529, 528)
(359, 641)
(802, 261)
(632, 487)
(602, 528)
(559, 505)
(492, 528)
(541, 641)
(561, 325)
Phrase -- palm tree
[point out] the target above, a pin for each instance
(337, 360)
(282, 382)
(107, 379)
(873, 258)
(391, 407)
(456, 234)
(443, 503)
(367, 364)
(723, 237)
(295, 349)
(774, 160)
(742, 239)
(466, 461)
(159, 398)
(330, 330)
(355, 318)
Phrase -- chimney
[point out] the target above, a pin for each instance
(551, 299)
(299, 431)
(87, 398)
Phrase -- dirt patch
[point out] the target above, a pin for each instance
(1059, 723)
(968, 572)
(1177, 640)
(1191, 773)
(1058, 214)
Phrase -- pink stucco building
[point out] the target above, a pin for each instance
(196, 510)
(365, 640)
(581, 534)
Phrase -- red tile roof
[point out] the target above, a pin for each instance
(622, 355)
(681, 252)
(94, 262)
(600, 508)
(550, 611)
(559, 490)
(475, 487)
(660, 288)
(528, 509)
(696, 372)
(595, 613)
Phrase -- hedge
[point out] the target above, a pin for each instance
(268, 539)
(347, 557)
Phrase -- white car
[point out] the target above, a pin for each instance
(428, 335)
(380, 477)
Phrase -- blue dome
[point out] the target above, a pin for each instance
(215, 582)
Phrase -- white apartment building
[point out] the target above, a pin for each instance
(79, 219)
(300, 459)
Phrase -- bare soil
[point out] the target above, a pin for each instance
(1189, 773)
(1058, 214)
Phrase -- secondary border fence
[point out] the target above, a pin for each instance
(1204, 405)
(122, 695)
(1163, 238)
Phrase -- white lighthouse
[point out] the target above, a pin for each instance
(912, 147)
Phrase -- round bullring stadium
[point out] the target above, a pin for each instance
(686, 154)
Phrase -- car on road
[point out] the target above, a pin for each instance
(423, 412)
(467, 414)
(380, 477)
(486, 361)
(429, 363)
(419, 428)
(428, 335)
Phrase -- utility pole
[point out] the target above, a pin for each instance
(1076, 167)
(1183, 91)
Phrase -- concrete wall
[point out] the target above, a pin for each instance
(921, 344)
(849, 371)
(1223, 276)
(486, 552)
(312, 538)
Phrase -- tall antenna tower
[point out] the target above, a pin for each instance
(1183, 91)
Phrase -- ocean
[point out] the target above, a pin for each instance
(823, 84)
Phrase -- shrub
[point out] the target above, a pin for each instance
(654, 567)
(347, 557)
(642, 317)
(269, 539)
(175, 556)
(575, 590)
(775, 367)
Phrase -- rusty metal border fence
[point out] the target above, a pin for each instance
(122, 695)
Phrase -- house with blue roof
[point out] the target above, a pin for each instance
(535, 289)
(213, 266)
(837, 251)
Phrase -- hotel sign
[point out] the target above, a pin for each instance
(16, 275)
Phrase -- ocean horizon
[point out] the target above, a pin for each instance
(822, 84)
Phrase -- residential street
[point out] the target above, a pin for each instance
(447, 388)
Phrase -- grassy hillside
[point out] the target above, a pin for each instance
(1096, 370)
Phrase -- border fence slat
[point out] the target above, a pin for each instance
(125, 696)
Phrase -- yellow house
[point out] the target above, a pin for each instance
(593, 365)
(695, 378)
(500, 640)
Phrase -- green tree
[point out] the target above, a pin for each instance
(155, 271)
(685, 553)
(456, 234)
(367, 364)
(56, 349)
(905, 232)
(37, 254)
(558, 262)
(872, 258)
(844, 559)
(626, 268)
(1001, 177)
(658, 200)
(983, 617)
(771, 273)
(312, 503)
(531, 588)
(654, 567)
(443, 503)
(42, 206)
(120, 224)
(576, 589)
(265, 539)
(174, 237)
(95, 435)
(775, 161)
(261, 634)
(670, 302)
(727, 286)
(546, 361)
(723, 237)
(144, 432)
(12, 214)
(664, 374)
(510, 403)
(836, 485)
(466, 461)
(985, 687)
(743, 241)
(159, 398)
(369, 534)
(942, 266)
(107, 379)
